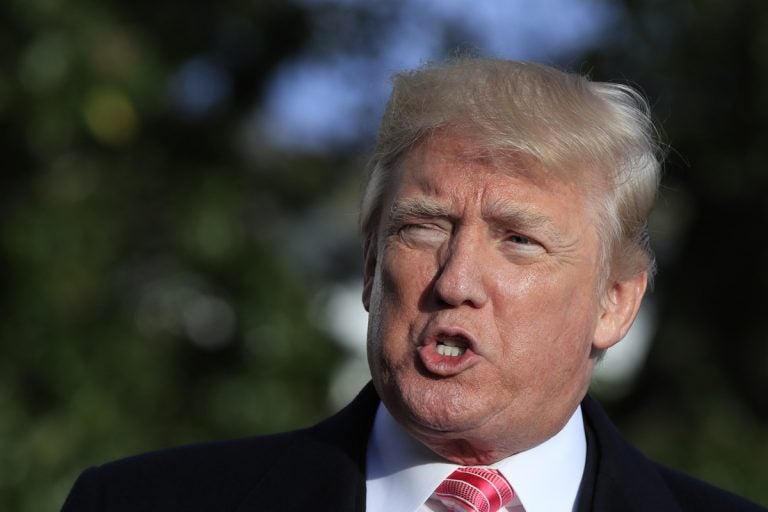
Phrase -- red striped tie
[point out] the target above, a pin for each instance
(475, 489)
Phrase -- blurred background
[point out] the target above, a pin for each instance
(179, 181)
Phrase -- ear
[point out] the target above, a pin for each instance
(369, 269)
(620, 304)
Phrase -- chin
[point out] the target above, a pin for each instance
(434, 406)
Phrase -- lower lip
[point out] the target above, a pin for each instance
(444, 366)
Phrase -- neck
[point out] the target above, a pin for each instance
(464, 452)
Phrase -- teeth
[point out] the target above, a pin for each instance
(449, 348)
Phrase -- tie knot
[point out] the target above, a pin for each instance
(475, 489)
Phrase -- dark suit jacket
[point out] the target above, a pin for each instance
(323, 468)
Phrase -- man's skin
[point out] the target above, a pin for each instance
(487, 300)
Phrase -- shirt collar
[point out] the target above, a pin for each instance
(402, 473)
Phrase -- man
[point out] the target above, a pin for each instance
(505, 236)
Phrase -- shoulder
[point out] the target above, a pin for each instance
(625, 479)
(210, 476)
(699, 496)
(224, 476)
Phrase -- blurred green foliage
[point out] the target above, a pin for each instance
(149, 297)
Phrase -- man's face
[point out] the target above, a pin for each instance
(482, 288)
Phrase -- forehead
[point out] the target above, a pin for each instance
(451, 166)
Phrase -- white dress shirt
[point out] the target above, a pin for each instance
(402, 473)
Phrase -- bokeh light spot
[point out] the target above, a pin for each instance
(111, 117)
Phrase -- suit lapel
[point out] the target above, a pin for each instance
(617, 476)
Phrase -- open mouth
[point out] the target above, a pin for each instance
(451, 346)
(447, 351)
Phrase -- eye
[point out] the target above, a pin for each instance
(421, 235)
(520, 239)
(521, 245)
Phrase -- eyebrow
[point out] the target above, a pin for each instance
(511, 213)
(504, 213)
(418, 207)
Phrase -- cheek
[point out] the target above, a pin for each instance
(405, 277)
(390, 301)
(530, 296)
(547, 317)
(567, 294)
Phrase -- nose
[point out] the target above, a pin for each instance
(460, 278)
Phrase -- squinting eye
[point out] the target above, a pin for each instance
(422, 234)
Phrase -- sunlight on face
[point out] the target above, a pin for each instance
(482, 292)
